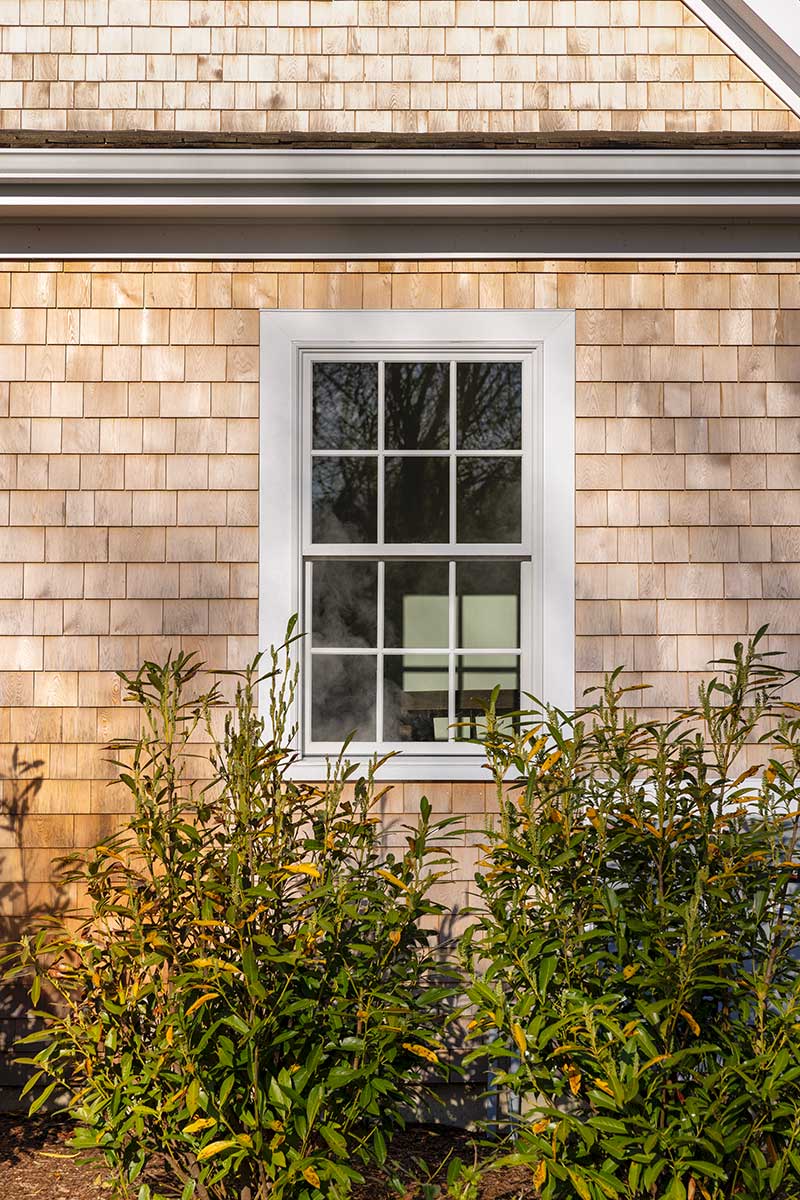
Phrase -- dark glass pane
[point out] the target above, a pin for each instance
(345, 402)
(417, 406)
(489, 406)
(489, 501)
(415, 698)
(487, 604)
(476, 676)
(344, 600)
(343, 697)
(416, 604)
(344, 500)
(417, 500)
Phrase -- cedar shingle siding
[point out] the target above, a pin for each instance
(373, 66)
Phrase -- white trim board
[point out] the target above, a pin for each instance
(768, 42)
(286, 335)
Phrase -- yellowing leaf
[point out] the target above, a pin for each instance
(550, 761)
(540, 1126)
(421, 1051)
(604, 1087)
(518, 1034)
(630, 1028)
(214, 1148)
(690, 1021)
(311, 1176)
(574, 1076)
(394, 936)
(170, 1034)
(651, 1062)
(200, 1001)
(200, 1123)
(303, 869)
(631, 970)
(540, 1174)
(392, 879)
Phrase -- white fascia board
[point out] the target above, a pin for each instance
(336, 185)
(768, 44)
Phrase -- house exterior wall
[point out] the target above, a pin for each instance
(129, 474)
(373, 66)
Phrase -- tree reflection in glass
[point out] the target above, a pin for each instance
(417, 500)
(345, 404)
(489, 503)
(344, 500)
(417, 406)
(489, 405)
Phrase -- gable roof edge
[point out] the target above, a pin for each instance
(759, 45)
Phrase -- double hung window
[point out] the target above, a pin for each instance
(403, 507)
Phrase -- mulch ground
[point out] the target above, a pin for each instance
(37, 1164)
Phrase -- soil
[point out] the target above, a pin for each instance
(37, 1164)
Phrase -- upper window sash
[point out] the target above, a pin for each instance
(452, 548)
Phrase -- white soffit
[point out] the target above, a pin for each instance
(764, 34)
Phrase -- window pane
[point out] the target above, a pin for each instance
(345, 402)
(416, 604)
(476, 676)
(487, 604)
(344, 500)
(489, 504)
(344, 599)
(343, 697)
(415, 698)
(489, 406)
(417, 500)
(417, 406)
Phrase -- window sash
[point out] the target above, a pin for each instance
(451, 551)
(531, 433)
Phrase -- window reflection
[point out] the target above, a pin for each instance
(417, 405)
(344, 500)
(476, 676)
(489, 502)
(416, 604)
(415, 698)
(344, 598)
(417, 500)
(345, 405)
(343, 697)
(489, 405)
(487, 608)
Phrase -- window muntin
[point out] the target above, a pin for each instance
(416, 538)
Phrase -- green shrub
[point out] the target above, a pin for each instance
(250, 997)
(635, 969)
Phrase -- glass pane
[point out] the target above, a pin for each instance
(489, 406)
(416, 604)
(489, 504)
(476, 676)
(344, 500)
(417, 500)
(417, 406)
(487, 608)
(415, 698)
(344, 601)
(345, 403)
(343, 697)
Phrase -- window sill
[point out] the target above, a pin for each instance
(406, 768)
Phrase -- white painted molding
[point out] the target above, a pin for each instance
(285, 336)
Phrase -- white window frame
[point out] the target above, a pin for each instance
(547, 340)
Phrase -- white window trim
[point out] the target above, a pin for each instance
(286, 335)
